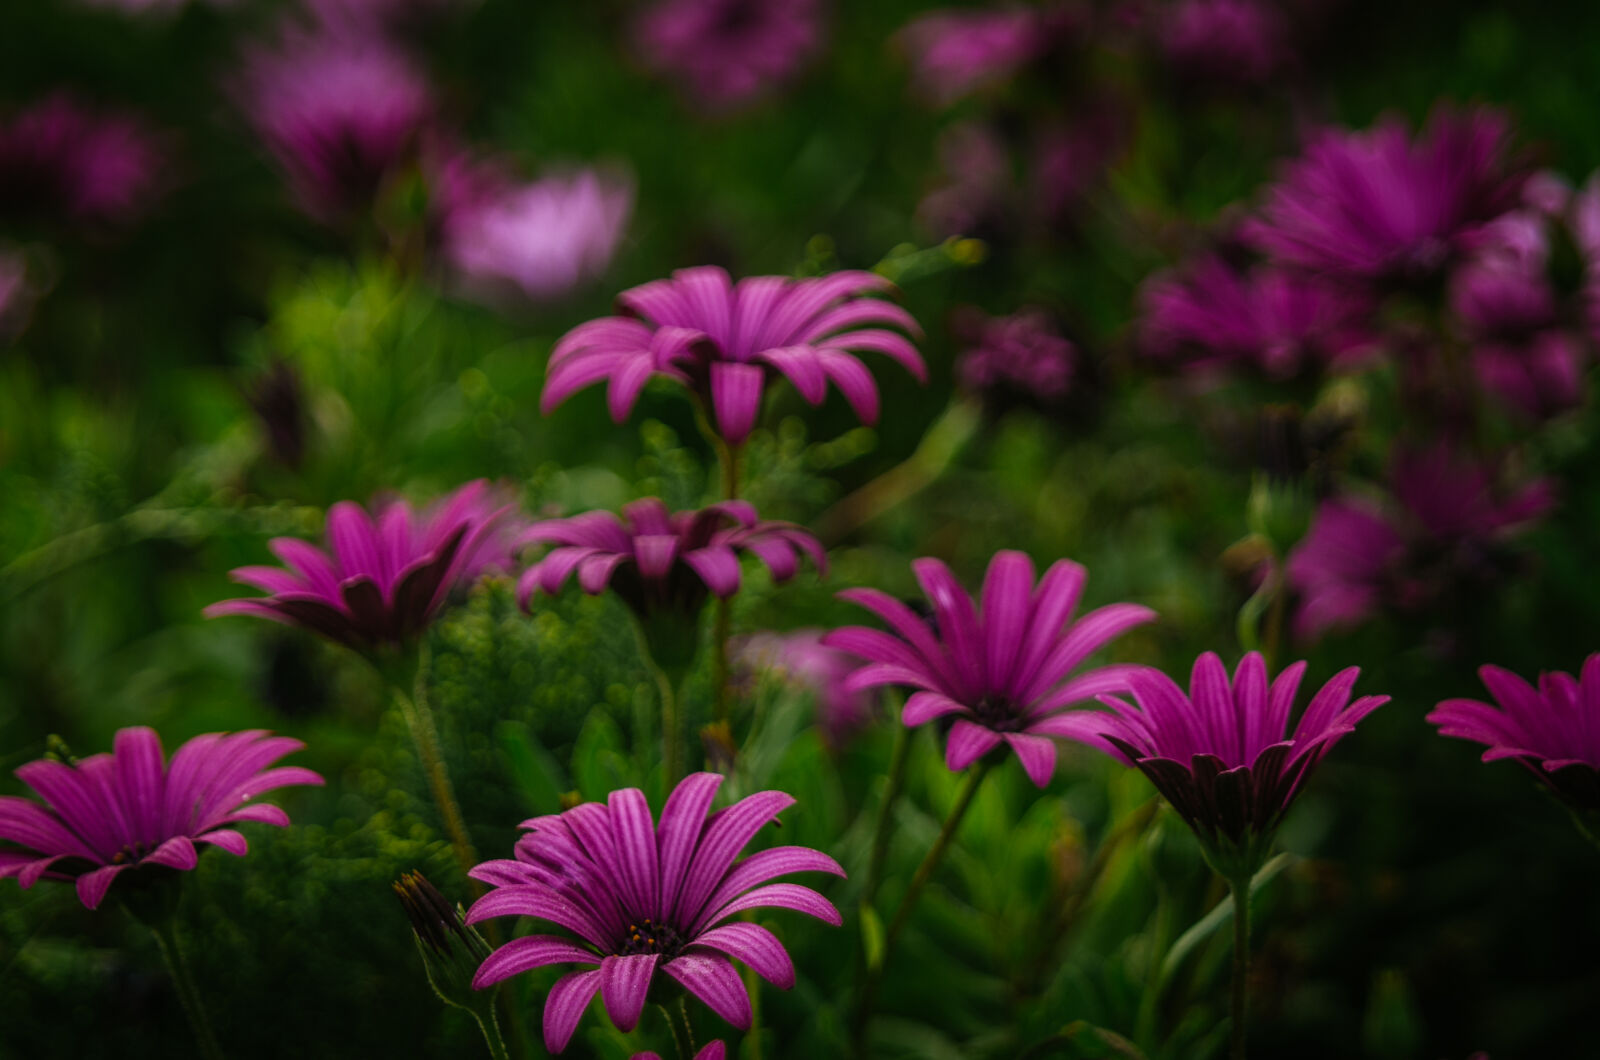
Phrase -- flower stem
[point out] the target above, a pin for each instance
(728, 457)
(898, 757)
(671, 738)
(680, 1041)
(178, 968)
(425, 735)
(935, 854)
(1241, 966)
(491, 1032)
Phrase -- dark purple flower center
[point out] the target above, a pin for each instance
(131, 853)
(999, 713)
(647, 936)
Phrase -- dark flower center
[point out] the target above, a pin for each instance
(999, 713)
(132, 852)
(647, 936)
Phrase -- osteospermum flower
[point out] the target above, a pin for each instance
(1019, 355)
(339, 112)
(386, 577)
(712, 1050)
(1553, 730)
(1211, 315)
(1003, 674)
(61, 158)
(130, 809)
(725, 341)
(729, 52)
(954, 53)
(1242, 42)
(646, 899)
(662, 562)
(1224, 755)
(535, 240)
(1378, 205)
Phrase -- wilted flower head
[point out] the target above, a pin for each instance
(662, 562)
(386, 577)
(340, 113)
(1224, 756)
(802, 658)
(131, 809)
(1378, 205)
(1022, 354)
(1553, 730)
(1280, 323)
(1448, 520)
(1242, 42)
(643, 898)
(1002, 674)
(728, 52)
(63, 159)
(954, 53)
(535, 240)
(725, 341)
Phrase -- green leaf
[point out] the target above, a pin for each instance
(537, 775)
(872, 937)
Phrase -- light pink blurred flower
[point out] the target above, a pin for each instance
(729, 52)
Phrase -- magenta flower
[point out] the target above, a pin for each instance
(1553, 730)
(1277, 322)
(132, 809)
(61, 158)
(1223, 756)
(533, 240)
(386, 577)
(662, 562)
(340, 113)
(1241, 42)
(955, 53)
(975, 196)
(802, 658)
(1023, 354)
(1377, 205)
(644, 899)
(1002, 674)
(1446, 523)
(725, 341)
(712, 1050)
(729, 52)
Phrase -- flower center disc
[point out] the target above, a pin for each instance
(998, 713)
(647, 936)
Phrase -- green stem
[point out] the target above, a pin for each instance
(425, 735)
(688, 1028)
(680, 1039)
(491, 1032)
(728, 457)
(1241, 966)
(898, 757)
(178, 968)
(671, 737)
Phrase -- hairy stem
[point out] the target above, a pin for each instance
(1241, 967)
(425, 735)
(491, 1032)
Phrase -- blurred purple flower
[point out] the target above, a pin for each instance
(1378, 205)
(1583, 220)
(340, 113)
(645, 898)
(1448, 520)
(802, 658)
(1241, 42)
(977, 168)
(386, 578)
(729, 52)
(1553, 730)
(712, 1050)
(369, 17)
(1223, 756)
(131, 809)
(661, 562)
(1211, 315)
(534, 240)
(1002, 674)
(63, 159)
(726, 342)
(1070, 158)
(954, 53)
(16, 299)
(1022, 354)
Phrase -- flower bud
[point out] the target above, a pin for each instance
(451, 951)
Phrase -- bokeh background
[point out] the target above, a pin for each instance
(213, 325)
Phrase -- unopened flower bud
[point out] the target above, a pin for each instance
(451, 951)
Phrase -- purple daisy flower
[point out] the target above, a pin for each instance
(386, 577)
(955, 53)
(801, 657)
(1280, 323)
(1002, 674)
(132, 809)
(712, 1050)
(1222, 755)
(729, 52)
(1022, 354)
(645, 898)
(1238, 42)
(532, 240)
(1377, 205)
(662, 562)
(61, 158)
(1553, 730)
(339, 112)
(725, 341)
